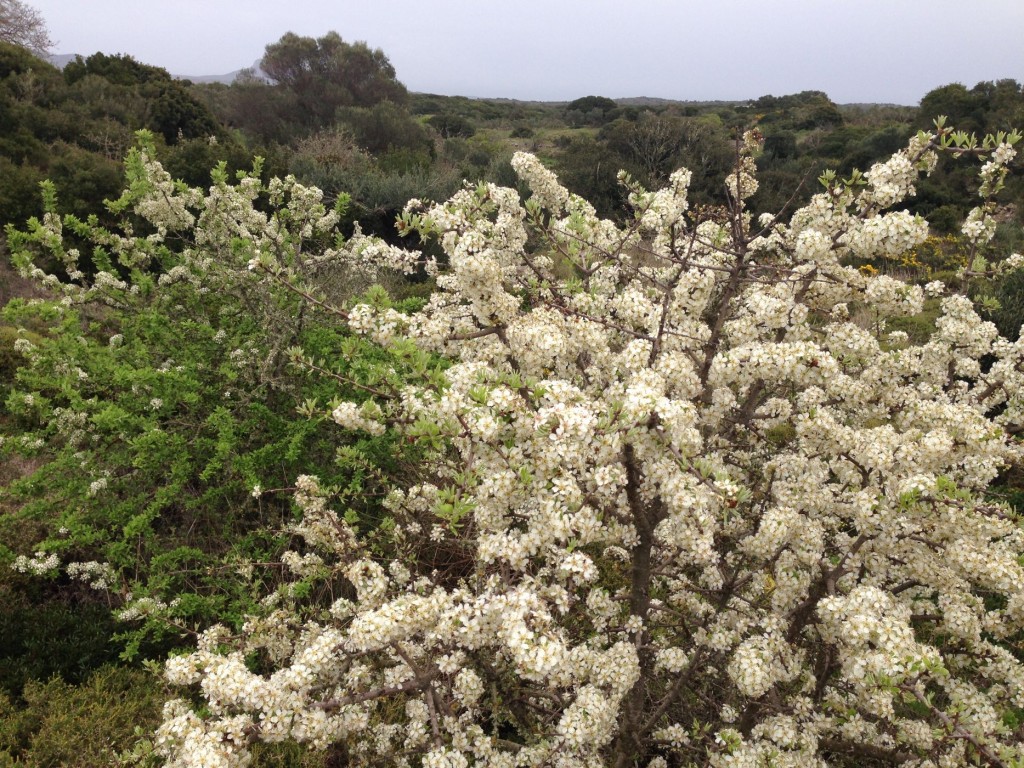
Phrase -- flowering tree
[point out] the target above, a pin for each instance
(685, 499)
(679, 506)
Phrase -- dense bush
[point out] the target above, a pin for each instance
(160, 395)
(79, 726)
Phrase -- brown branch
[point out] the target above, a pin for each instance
(954, 729)
(909, 584)
(673, 693)
(865, 751)
(800, 615)
(646, 516)
(721, 313)
(304, 294)
(428, 694)
(375, 693)
(477, 334)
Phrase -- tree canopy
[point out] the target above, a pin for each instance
(327, 73)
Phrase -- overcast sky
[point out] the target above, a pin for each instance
(854, 50)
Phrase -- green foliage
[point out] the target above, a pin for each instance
(17, 60)
(917, 327)
(85, 177)
(48, 630)
(590, 110)
(1010, 294)
(79, 726)
(780, 145)
(377, 188)
(19, 185)
(655, 144)
(650, 144)
(75, 127)
(190, 160)
(10, 357)
(985, 108)
(175, 114)
(265, 115)
(590, 169)
(591, 103)
(171, 111)
(801, 111)
(118, 69)
(180, 429)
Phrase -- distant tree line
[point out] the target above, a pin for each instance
(335, 113)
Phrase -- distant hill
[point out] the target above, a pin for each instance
(226, 79)
(61, 59)
(655, 101)
(229, 78)
(871, 105)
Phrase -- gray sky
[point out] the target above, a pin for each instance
(854, 50)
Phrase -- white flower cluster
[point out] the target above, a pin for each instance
(142, 607)
(993, 173)
(23, 346)
(979, 227)
(542, 182)
(886, 236)
(662, 209)
(97, 575)
(365, 417)
(367, 251)
(759, 663)
(40, 564)
(163, 203)
(890, 182)
(188, 741)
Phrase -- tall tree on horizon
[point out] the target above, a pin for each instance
(327, 73)
(23, 25)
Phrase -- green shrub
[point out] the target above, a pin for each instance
(160, 404)
(1010, 293)
(83, 725)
